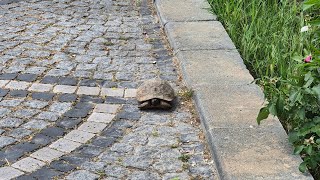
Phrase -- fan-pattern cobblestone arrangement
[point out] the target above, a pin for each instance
(69, 73)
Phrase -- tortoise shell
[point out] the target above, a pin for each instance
(155, 89)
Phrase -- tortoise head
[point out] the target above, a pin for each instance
(155, 104)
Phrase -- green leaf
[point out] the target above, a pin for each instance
(307, 76)
(272, 109)
(297, 58)
(263, 114)
(295, 96)
(309, 3)
(306, 6)
(303, 167)
(316, 90)
(301, 113)
(317, 130)
(313, 2)
(309, 82)
(280, 105)
(298, 149)
(309, 150)
(293, 137)
(315, 22)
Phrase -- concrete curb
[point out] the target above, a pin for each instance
(226, 100)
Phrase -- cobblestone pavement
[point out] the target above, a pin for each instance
(69, 73)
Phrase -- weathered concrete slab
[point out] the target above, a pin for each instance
(255, 153)
(219, 67)
(203, 35)
(184, 10)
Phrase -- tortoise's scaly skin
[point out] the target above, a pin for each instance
(155, 89)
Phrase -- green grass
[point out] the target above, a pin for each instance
(266, 33)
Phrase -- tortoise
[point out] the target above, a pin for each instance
(155, 94)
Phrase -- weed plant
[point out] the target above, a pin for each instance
(279, 43)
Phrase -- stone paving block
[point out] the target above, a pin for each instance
(36, 70)
(92, 127)
(53, 132)
(4, 141)
(27, 77)
(18, 85)
(11, 102)
(60, 108)
(45, 173)
(9, 173)
(10, 122)
(130, 93)
(118, 92)
(69, 123)
(28, 164)
(4, 112)
(40, 87)
(62, 166)
(18, 93)
(79, 136)
(65, 145)
(49, 116)
(101, 117)
(64, 89)
(8, 76)
(68, 81)
(93, 91)
(107, 108)
(189, 10)
(36, 124)
(204, 35)
(81, 174)
(3, 83)
(35, 104)
(20, 133)
(3, 92)
(47, 154)
(67, 98)
(50, 80)
(42, 139)
(43, 96)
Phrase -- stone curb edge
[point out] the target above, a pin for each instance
(167, 18)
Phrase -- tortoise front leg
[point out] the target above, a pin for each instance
(144, 105)
(165, 105)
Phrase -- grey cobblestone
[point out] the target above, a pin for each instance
(4, 141)
(101, 117)
(28, 164)
(10, 122)
(18, 93)
(79, 136)
(65, 145)
(9, 172)
(46, 154)
(82, 175)
(35, 124)
(20, 133)
(92, 127)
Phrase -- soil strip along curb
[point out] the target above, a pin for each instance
(226, 100)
